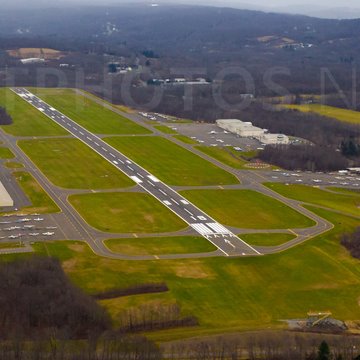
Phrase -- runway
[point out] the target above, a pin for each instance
(203, 224)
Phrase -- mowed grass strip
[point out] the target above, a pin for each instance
(269, 239)
(224, 155)
(27, 121)
(344, 115)
(170, 162)
(6, 153)
(186, 139)
(69, 163)
(165, 129)
(126, 213)
(41, 201)
(239, 293)
(160, 246)
(89, 114)
(348, 203)
(13, 165)
(247, 209)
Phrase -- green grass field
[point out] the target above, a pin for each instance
(88, 113)
(344, 115)
(247, 209)
(239, 293)
(41, 201)
(170, 162)
(225, 155)
(13, 165)
(126, 213)
(71, 164)
(347, 203)
(6, 153)
(27, 121)
(269, 239)
(165, 129)
(160, 246)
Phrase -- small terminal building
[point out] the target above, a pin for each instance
(5, 198)
(248, 130)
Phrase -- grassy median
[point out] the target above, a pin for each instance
(170, 162)
(69, 163)
(126, 213)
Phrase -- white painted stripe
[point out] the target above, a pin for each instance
(42, 110)
(189, 212)
(152, 184)
(97, 144)
(175, 201)
(203, 218)
(218, 228)
(141, 176)
(104, 148)
(129, 167)
(185, 202)
(112, 155)
(128, 161)
(166, 202)
(153, 178)
(115, 162)
(163, 192)
(202, 229)
(136, 179)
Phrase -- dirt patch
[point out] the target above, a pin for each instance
(195, 271)
(69, 265)
(43, 53)
(77, 247)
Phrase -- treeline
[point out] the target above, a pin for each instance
(108, 347)
(5, 118)
(268, 346)
(134, 290)
(352, 243)
(303, 157)
(36, 296)
(154, 317)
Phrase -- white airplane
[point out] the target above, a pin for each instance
(34, 234)
(5, 222)
(13, 236)
(29, 226)
(38, 219)
(51, 227)
(48, 233)
(24, 220)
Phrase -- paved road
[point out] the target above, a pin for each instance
(202, 223)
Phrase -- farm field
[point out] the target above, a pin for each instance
(255, 292)
(27, 121)
(344, 115)
(65, 162)
(247, 209)
(87, 113)
(160, 246)
(171, 163)
(126, 213)
(347, 203)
